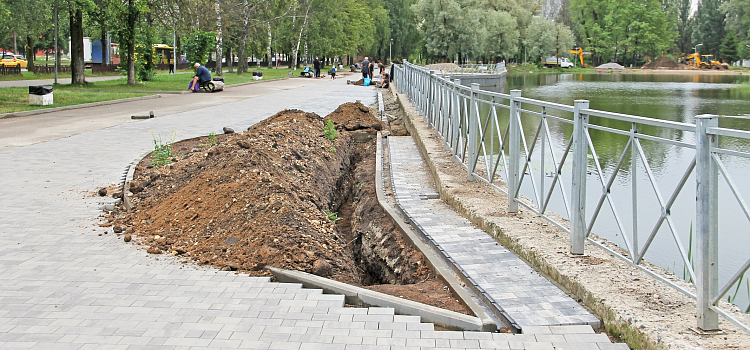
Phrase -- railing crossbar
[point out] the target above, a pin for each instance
(640, 120)
(732, 186)
(644, 269)
(556, 178)
(731, 282)
(606, 193)
(665, 212)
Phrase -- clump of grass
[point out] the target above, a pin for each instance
(330, 131)
(210, 141)
(332, 217)
(333, 150)
(162, 153)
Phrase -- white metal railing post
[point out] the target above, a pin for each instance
(473, 139)
(514, 151)
(430, 100)
(707, 224)
(456, 130)
(580, 152)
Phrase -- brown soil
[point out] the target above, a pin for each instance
(360, 82)
(662, 63)
(260, 198)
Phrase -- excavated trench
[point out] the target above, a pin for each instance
(281, 194)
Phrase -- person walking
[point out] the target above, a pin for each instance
(366, 68)
(316, 66)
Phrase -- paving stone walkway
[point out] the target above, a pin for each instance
(526, 297)
(67, 284)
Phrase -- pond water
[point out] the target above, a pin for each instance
(662, 96)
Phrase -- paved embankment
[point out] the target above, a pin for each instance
(520, 293)
(66, 284)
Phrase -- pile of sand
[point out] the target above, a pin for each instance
(611, 65)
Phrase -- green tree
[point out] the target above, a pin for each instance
(709, 20)
(199, 45)
(30, 19)
(403, 25)
(441, 23)
(738, 22)
(685, 25)
(729, 49)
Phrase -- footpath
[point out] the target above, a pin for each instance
(65, 283)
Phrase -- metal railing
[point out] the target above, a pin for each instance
(467, 120)
(453, 69)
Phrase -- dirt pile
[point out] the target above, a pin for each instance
(285, 194)
(360, 82)
(354, 116)
(662, 63)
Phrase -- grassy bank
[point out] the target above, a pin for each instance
(16, 99)
(31, 76)
(173, 82)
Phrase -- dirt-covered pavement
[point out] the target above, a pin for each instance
(291, 192)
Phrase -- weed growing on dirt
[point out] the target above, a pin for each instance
(333, 217)
(330, 131)
(333, 150)
(162, 152)
(210, 141)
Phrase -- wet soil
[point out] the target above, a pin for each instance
(281, 194)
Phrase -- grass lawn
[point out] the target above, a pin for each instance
(16, 99)
(25, 75)
(174, 82)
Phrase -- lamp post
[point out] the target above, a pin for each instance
(696, 47)
(390, 52)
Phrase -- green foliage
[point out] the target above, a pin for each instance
(210, 140)
(162, 153)
(729, 49)
(198, 46)
(709, 20)
(738, 23)
(329, 131)
(544, 38)
(332, 149)
(332, 217)
(624, 31)
(145, 64)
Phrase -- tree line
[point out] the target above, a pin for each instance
(624, 31)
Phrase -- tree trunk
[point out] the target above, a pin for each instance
(219, 53)
(295, 52)
(229, 58)
(132, 21)
(76, 47)
(30, 53)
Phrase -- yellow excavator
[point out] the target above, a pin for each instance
(579, 52)
(694, 60)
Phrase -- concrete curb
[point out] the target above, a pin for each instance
(364, 297)
(438, 264)
(83, 105)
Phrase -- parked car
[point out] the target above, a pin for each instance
(11, 60)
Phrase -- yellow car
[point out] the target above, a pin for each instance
(11, 60)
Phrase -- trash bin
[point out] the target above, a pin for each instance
(257, 75)
(40, 95)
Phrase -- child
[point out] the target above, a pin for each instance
(333, 72)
